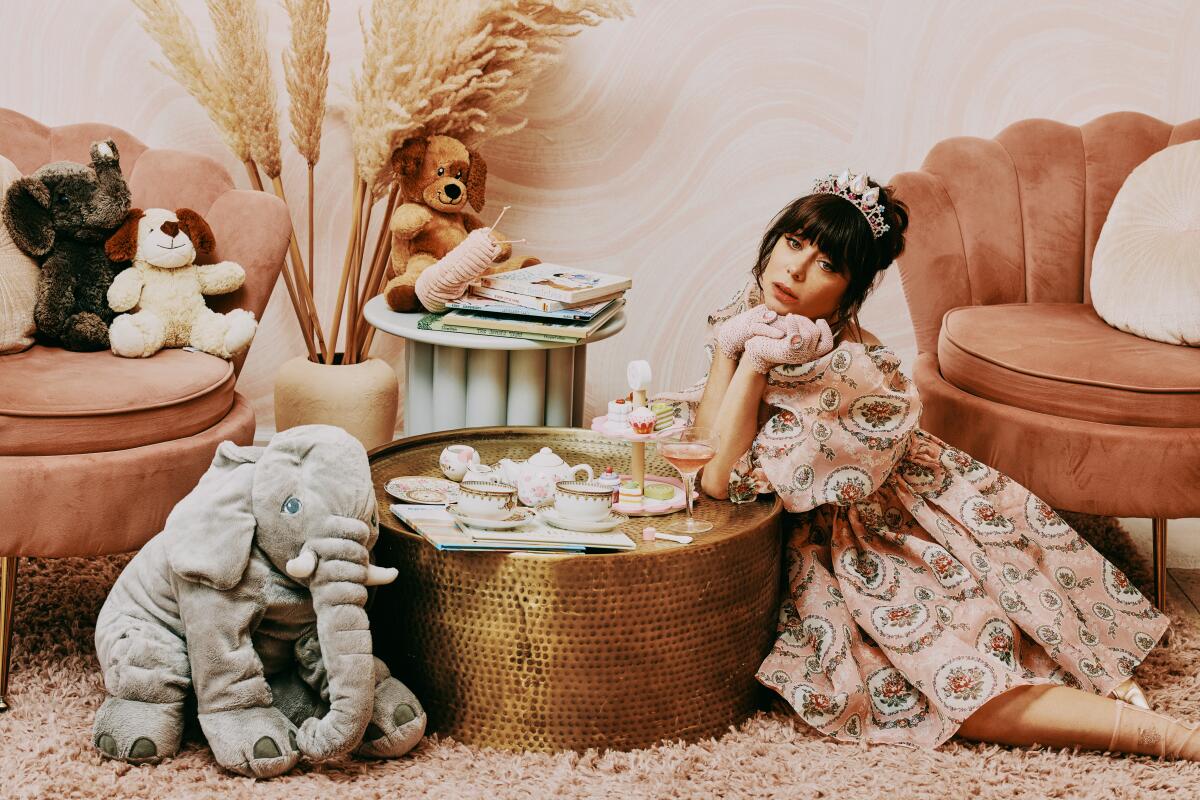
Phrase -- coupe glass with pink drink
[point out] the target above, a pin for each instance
(688, 450)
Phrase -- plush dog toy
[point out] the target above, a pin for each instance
(439, 176)
(167, 287)
(61, 215)
(252, 599)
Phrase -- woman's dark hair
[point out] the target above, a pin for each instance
(841, 232)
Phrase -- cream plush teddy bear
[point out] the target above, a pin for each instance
(165, 288)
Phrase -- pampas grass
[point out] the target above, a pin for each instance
(187, 63)
(413, 83)
(246, 68)
(455, 67)
(306, 71)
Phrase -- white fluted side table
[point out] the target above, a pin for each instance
(462, 380)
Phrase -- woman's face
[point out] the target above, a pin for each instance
(800, 279)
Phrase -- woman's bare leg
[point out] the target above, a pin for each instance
(1059, 716)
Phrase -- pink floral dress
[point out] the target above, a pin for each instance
(922, 582)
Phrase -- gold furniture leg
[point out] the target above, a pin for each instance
(1160, 563)
(8, 582)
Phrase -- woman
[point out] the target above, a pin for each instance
(928, 594)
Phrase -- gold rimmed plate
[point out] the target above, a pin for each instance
(519, 516)
(422, 490)
(611, 522)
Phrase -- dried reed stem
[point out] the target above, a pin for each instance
(355, 319)
(302, 284)
(301, 318)
(312, 234)
(376, 277)
(356, 205)
(370, 288)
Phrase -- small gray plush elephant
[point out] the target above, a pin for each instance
(61, 215)
(253, 597)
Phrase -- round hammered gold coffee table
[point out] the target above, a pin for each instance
(537, 651)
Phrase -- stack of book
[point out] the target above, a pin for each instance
(545, 302)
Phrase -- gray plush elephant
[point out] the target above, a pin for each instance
(61, 215)
(253, 598)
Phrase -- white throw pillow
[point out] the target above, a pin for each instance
(1146, 268)
(18, 279)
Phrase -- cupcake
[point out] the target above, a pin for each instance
(642, 420)
(664, 415)
(618, 411)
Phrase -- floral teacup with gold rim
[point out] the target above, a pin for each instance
(486, 499)
(583, 500)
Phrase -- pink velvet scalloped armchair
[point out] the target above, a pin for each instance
(1014, 366)
(95, 450)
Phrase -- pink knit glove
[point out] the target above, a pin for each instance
(736, 331)
(448, 279)
(803, 341)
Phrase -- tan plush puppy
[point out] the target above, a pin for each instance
(164, 289)
(439, 177)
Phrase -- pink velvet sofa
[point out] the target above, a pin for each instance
(95, 450)
(1014, 365)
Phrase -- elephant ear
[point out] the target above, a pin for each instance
(27, 215)
(211, 531)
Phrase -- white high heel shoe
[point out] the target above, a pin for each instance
(1131, 693)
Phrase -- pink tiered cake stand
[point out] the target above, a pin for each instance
(649, 507)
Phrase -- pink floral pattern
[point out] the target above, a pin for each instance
(921, 582)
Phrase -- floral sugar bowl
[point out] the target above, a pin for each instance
(456, 460)
(535, 477)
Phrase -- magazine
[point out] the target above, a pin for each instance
(477, 292)
(556, 282)
(486, 305)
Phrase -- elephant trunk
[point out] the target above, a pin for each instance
(111, 201)
(339, 599)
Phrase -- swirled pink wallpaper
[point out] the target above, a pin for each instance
(662, 145)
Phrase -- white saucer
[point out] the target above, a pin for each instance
(587, 526)
(520, 516)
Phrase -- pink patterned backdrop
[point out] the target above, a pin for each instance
(663, 144)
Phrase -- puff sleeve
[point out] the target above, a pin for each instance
(845, 421)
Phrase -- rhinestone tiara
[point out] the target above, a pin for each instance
(855, 189)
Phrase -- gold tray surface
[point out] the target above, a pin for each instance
(418, 455)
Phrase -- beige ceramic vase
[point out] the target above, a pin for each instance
(361, 398)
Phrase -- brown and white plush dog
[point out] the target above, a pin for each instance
(164, 289)
(439, 177)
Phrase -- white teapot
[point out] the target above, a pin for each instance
(536, 476)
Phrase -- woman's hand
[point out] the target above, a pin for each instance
(802, 341)
(738, 330)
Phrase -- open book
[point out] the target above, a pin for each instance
(440, 529)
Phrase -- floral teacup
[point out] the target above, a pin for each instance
(583, 500)
(486, 500)
(456, 460)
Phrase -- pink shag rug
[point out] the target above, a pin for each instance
(46, 752)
